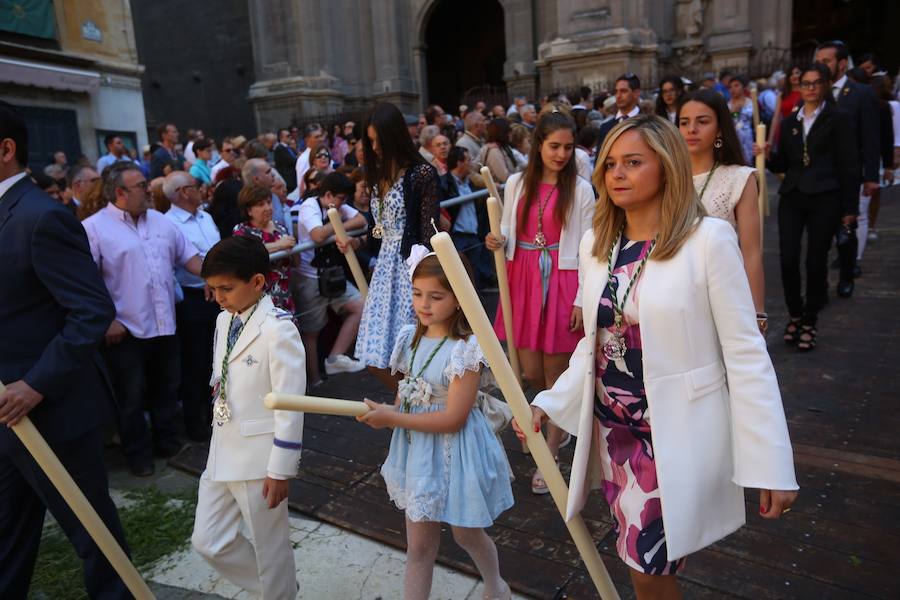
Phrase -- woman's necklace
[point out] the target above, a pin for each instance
(615, 347)
(540, 240)
(221, 412)
(706, 181)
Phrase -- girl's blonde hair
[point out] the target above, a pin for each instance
(680, 210)
(430, 266)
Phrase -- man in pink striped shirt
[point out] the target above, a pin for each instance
(136, 249)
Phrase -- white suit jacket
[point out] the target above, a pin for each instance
(714, 405)
(267, 357)
(580, 217)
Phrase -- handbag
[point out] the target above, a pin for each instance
(329, 264)
(495, 410)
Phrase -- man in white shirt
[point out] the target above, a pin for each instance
(472, 140)
(313, 225)
(313, 134)
(116, 151)
(227, 158)
(529, 116)
(195, 315)
(516, 106)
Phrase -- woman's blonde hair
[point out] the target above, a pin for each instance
(680, 210)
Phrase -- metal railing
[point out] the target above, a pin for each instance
(310, 245)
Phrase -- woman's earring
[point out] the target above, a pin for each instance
(457, 307)
(718, 143)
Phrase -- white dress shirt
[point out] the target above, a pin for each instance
(201, 231)
(9, 182)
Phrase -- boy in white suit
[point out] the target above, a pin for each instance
(241, 527)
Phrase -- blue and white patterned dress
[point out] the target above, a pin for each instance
(460, 478)
(389, 302)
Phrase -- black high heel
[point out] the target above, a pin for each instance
(792, 331)
(807, 340)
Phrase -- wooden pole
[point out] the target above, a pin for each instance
(48, 461)
(316, 405)
(340, 233)
(489, 183)
(471, 305)
(493, 207)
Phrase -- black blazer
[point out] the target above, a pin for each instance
(833, 163)
(54, 313)
(605, 128)
(858, 101)
(286, 165)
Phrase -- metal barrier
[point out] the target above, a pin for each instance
(310, 245)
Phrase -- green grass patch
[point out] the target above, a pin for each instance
(156, 524)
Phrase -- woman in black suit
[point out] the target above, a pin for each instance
(817, 155)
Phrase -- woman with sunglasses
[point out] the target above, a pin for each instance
(817, 155)
(322, 161)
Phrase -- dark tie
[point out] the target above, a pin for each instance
(619, 119)
(234, 332)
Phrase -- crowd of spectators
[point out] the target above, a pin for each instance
(278, 185)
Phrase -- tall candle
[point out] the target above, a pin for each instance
(471, 306)
(340, 233)
(761, 176)
(494, 210)
(315, 404)
(44, 456)
(489, 183)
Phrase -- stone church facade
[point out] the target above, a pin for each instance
(321, 57)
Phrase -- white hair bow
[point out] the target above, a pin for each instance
(416, 255)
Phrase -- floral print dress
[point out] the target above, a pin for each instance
(278, 278)
(625, 439)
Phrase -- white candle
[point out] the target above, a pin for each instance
(314, 404)
(494, 210)
(489, 182)
(48, 461)
(761, 176)
(471, 305)
(340, 233)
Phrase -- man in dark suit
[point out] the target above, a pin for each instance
(54, 311)
(286, 159)
(628, 97)
(858, 101)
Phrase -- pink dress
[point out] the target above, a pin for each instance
(536, 327)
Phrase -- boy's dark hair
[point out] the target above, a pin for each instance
(337, 184)
(456, 155)
(202, 144)
(12, 126)
(239, 256)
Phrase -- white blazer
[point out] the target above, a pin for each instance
(267, 357)
(714, 405)
(580, 217)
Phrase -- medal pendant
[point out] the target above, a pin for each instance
(805, 159)
(615, 348)
(378, 231)
(539, 240)
(221, 412)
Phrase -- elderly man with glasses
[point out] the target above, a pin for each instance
(195, 315)
(136, 249)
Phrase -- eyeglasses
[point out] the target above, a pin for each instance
(189, 186)
(91, 180)
(140, 184)
(224, 150)
(323, 155)
(811, 85)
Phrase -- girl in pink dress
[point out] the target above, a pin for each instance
(546, 210)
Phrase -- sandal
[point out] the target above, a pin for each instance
(807, 340)
(566, 440)
(538, 485)
(791, 331)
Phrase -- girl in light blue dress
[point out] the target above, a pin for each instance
(445, 464)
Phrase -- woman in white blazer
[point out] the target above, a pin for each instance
(546, 210)
(671, 391)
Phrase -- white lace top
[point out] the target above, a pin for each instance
(724, 190)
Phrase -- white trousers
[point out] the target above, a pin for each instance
(257, 557)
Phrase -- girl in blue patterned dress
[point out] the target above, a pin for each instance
(445, 464)
(405, 200)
